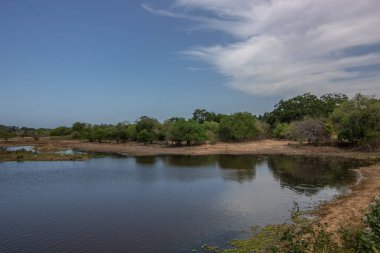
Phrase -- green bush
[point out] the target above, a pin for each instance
(302, 236)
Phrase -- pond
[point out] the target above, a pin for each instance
(156, 204)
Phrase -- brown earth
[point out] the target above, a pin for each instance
(347, 209)
(350, 209)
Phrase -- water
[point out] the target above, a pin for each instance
(20, 148)
(155, 204)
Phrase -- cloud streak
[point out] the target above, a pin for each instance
(290, 46)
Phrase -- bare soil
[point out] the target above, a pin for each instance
(350, 209)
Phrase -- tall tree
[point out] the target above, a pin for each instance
(239, 126)
(150, 126)
(357, 120)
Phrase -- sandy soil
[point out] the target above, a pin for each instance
(343, 210)
(350, 209)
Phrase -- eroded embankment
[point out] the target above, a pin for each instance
(350, 209)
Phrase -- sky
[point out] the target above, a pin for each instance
(101, 61)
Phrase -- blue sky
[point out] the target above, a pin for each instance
(109, 61)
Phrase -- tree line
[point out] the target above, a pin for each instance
(203, 127)
(7, 132)
(331, 118)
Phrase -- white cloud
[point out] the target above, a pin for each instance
(289, 46)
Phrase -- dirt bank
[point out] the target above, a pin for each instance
(350, 209)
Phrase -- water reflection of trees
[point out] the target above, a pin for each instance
(146, 160)
(237, 168)
(240, 168)
(189, 161)
(308, 174)
(299, 173)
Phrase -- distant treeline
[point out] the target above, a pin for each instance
(332, 118)
(7, 132)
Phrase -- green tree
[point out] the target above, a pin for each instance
(202, 115)
(167, 129)
(295, 108)
(60, 131)
(332, 101)
(357, 121)
(150, 126)
(281, 131)
(145, 136)
(99, 133)
(306, 105)
(79, 126)
(189, 131)
(121, 132)
(212, 131)
(131, 132)
(4, 134)
(239, 126)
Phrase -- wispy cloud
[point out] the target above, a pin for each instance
(290, 46)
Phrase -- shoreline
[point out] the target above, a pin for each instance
(350, 209)
(344, 209)
(259, 147)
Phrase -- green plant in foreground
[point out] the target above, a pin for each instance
(302, 236)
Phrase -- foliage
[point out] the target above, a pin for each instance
(304, 236)
(147, 129)
(371, 233)
(357, 121)
(189, 131)
(239, 126)
(281, 130)
(212, 131)
(61, 131)
(6, 134)
(202, 115)
(146, 136)
(297, 108)
(263, 128)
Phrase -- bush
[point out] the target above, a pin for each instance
(281, 131)
(239, 126)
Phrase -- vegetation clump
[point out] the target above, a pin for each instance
(23, 156)
(304, 236)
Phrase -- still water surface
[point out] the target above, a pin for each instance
(155, 204)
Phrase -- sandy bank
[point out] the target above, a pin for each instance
(350, 209)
